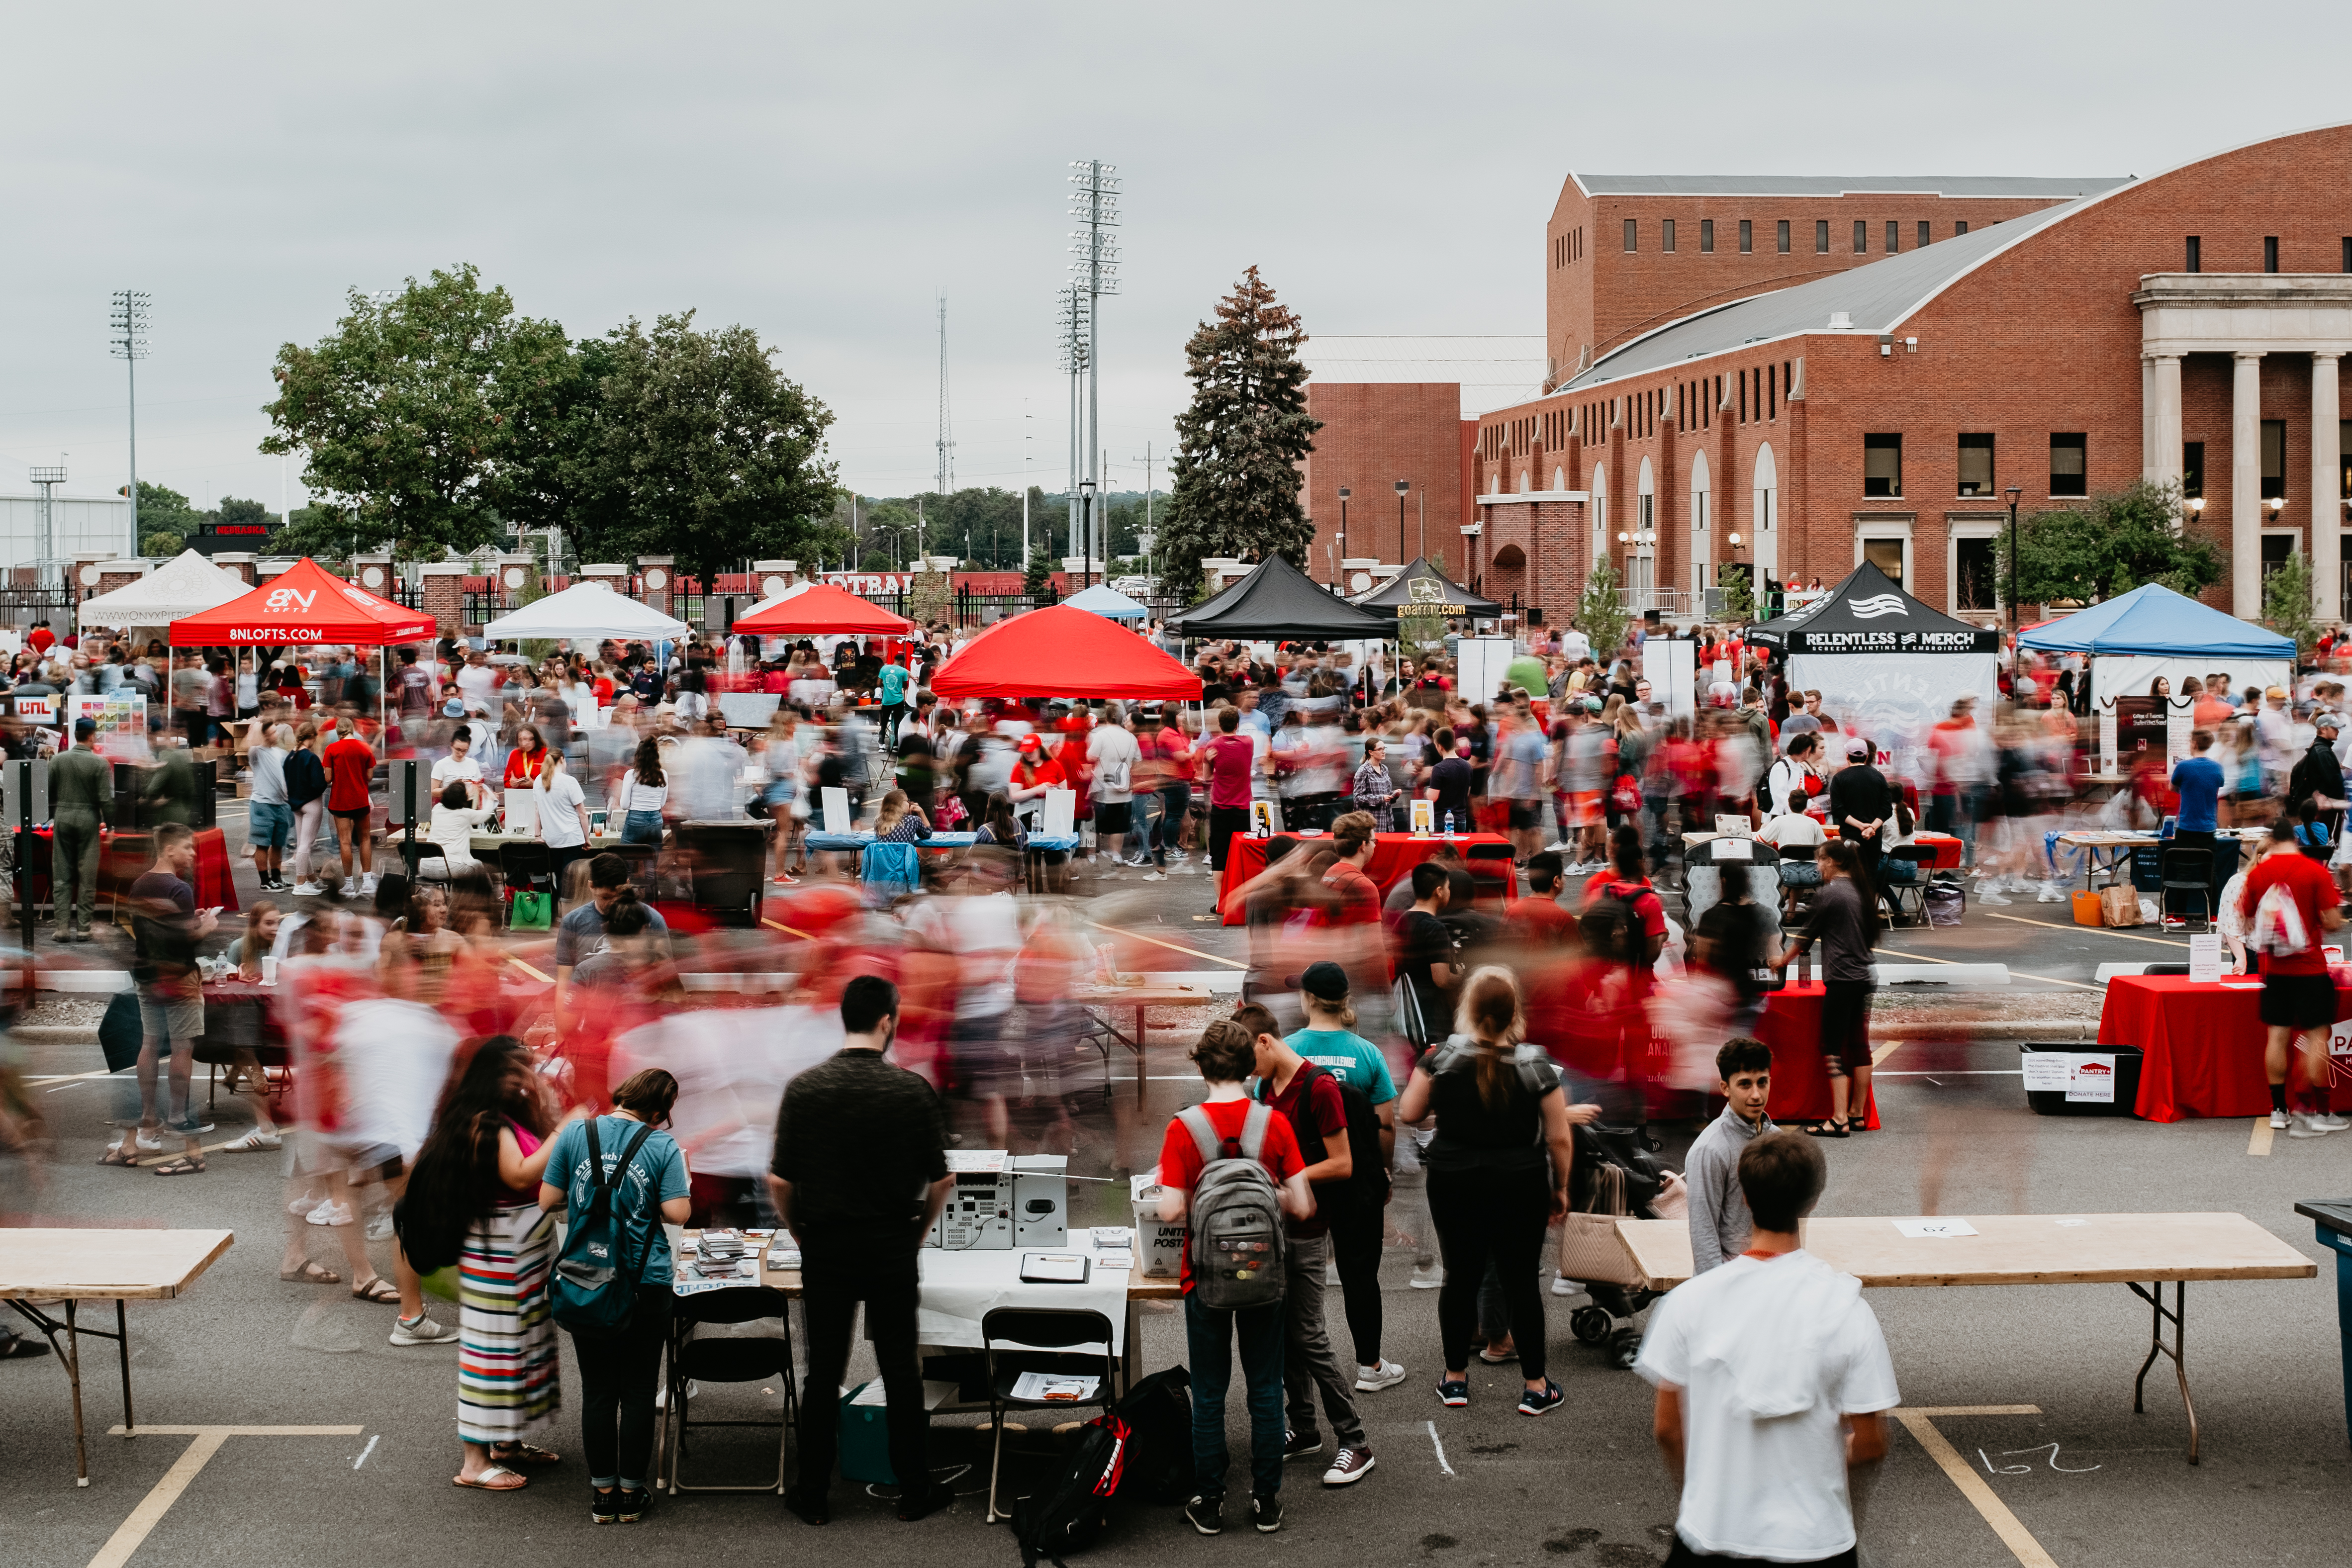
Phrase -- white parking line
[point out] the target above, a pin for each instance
(1435, 1443)
(372, 1442)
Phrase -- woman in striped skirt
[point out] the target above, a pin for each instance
(473, 1200)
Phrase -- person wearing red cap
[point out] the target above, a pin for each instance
(1035, 772)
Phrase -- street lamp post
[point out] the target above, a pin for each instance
(1401, 487)
(1086, 533)
(2013, 492)
(1344, 494)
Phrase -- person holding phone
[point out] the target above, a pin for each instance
(165, 926)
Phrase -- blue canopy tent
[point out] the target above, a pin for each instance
(1107, 601)
(2151, 632)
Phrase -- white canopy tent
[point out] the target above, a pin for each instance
(185, 585)
(587, 609)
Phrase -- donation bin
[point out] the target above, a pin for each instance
(2332, 1219)
(2072, 1079)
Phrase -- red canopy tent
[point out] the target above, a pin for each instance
(821, 607)
(1064, 653)
(307, 604)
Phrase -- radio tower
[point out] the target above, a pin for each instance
(1094, 268)
(1072, 313)
(943, 481)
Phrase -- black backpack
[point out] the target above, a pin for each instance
(1612, 926)
(1367, 1186)
(1158, 1415)
(1071, 1512)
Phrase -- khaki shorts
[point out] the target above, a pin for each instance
(170, 1018)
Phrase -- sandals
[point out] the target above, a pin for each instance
(183, 1164)
(1830, 1127)
(115, 1156)
(376, 1289)
(512, 1455)
(310, 1273)
(497, 1477)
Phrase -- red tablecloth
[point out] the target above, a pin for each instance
(1394, 855)
(123, 858)
(1947, 855)
(1792, 1026)
(2200, 1045)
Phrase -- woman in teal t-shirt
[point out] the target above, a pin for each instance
(618, 1375)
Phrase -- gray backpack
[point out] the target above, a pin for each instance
(1238, 1240)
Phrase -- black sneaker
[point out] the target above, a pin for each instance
(928, 1499)
(632, 1502)
(1301, 1446)
(1534, 1402)
(1265, 1512)
(811, 1507)
(603, 1507)
(1207, 1512)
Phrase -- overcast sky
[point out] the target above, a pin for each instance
(820, 172)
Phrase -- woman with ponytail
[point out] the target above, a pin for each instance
(1845, 921)
(1498, 1172)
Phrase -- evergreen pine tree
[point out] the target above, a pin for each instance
(1235, 486)
(1037, 579)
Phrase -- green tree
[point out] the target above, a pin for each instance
(1037, 580)
(409, 416)
(703, 452)
(2111, 544)
(2287, 602)
(1235, 477)
(166, 520)
(1738, 594)
(1599, 613)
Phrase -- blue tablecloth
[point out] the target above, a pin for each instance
(844, 843)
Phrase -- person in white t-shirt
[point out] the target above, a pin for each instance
(1772, 1376)
(563, 815)
(460, 767)
(1112, 753)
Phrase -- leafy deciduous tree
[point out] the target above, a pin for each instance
(1235, 490)
(2110, 546)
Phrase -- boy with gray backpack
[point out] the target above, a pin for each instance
(1231, 1169)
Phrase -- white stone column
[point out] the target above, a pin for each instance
(2148, 445)
(2327, 484)
(2164, 463)
(2246, 487)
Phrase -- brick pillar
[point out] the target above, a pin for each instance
(769, 578)
(373, 572)
(238, 561)
(444, 594)
(612, 574)
(105, 577)
(657, 583)
(264, 571)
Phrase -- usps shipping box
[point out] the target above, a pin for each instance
(1158, 1245)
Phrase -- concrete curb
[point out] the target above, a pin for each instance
(2055, 1029)
(56, 1034)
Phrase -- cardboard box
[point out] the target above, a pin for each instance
(1158, 1245)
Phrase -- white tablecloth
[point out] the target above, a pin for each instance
(960, 1287)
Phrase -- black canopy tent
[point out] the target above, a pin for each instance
(1422, 590)
(1278, 601)
(1869, 613)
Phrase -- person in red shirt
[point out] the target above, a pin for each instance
(1230, 756)
(1034, 772)
(1627, 883)
(40, 639)
(1226, 1056)
(1540, 916)
(350, 773)
(1355, 899)
(2298, 993)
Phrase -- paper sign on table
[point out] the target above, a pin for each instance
(1423, 818)
(1933, 1229)
(1731, 849)
(2205, 957)
(2091, 1077)
(2339, 1040)
(1060, 815)
(2046, 1073)
(837, 818)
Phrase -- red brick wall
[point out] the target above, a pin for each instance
(2043, 338)
(1607, 297)
(1374, 434)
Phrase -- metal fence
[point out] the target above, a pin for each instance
(33, 602)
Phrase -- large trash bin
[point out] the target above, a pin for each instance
(2332, 1219)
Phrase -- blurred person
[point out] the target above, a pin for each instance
(1231, 762)
(473, 1202)
(81, 797)
(2289, 903)
(1355, 899)
(860, 1174)
(562, 812)
(1737, 936)
(1499, 1174)
(350, 765)
(1540, 917)
(455, 820)
(1113, 756)
(980, 924)
(643, 793)
(705, 775)
(1229, 1125)
(1772, 1376)
(1314, 1101)
(1447, 787)
(619, 1373)
(1521, 760)
(1845, 920)
(261, 923)
(2198, 780)
(270, 820)
(461, 766)
(305, 792)
(1720, 1224)
(579, 936)
(165, 925)
(1358, 1223)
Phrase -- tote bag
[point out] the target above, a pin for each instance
(1588, 1248)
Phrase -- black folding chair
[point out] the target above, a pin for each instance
(1916, 887)
(727, 1358)
(525, 867)
(1480, 858)
(2186, 871)
(1041, 1337)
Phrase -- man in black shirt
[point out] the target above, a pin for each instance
(165, 926)
(1861, 805)
(860, 1173)
(1449, 786)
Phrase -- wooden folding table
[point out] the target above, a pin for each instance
(1142, 999)
(39, 1268)
(2029, 1250)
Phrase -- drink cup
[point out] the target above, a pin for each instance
(268, 969)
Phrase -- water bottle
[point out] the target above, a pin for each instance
(1449, 824)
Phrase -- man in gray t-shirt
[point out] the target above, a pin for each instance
(580, 934)
(1719, 1222)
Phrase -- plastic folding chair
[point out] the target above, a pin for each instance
(728, 1358)
(2186, 871)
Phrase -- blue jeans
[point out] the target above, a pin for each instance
(1209, 1343)
(641, 827)
(1149, 815)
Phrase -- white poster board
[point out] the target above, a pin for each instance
(1060, 815)
(2205, 959)
(837, 817)
(1482, 663)
(38, 710)
(523, 812)
(1671, 667)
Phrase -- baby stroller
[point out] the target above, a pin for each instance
(1616, 1174)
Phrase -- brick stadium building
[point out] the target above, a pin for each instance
(1766, 371)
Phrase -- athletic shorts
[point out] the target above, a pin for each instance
(1845, 1027)
(1526, 815)
(1113, 816)
(1584, 807)
(360, 815)
(272, 824)
(2298, 1001)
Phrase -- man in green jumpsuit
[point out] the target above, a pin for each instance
(81, 790)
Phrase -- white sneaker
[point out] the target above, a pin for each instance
(2278, 1120)
(1562, 1285)
(1154, 876)
(331, 1213)
(1985, 894)
(2303, 1126)
(1184, 871)
(302, 1205)
(1372, 1379)
(1562, 847)
(350, 888)
(2329, 1121)
(367, 884)
(1428, 1276)
(307, 889)
(379, 1228)
(254, 1143)
(423, 1331)
(2050, 893)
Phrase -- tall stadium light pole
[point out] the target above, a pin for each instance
(1094, 267)
(127, 342)
(1072, 310)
